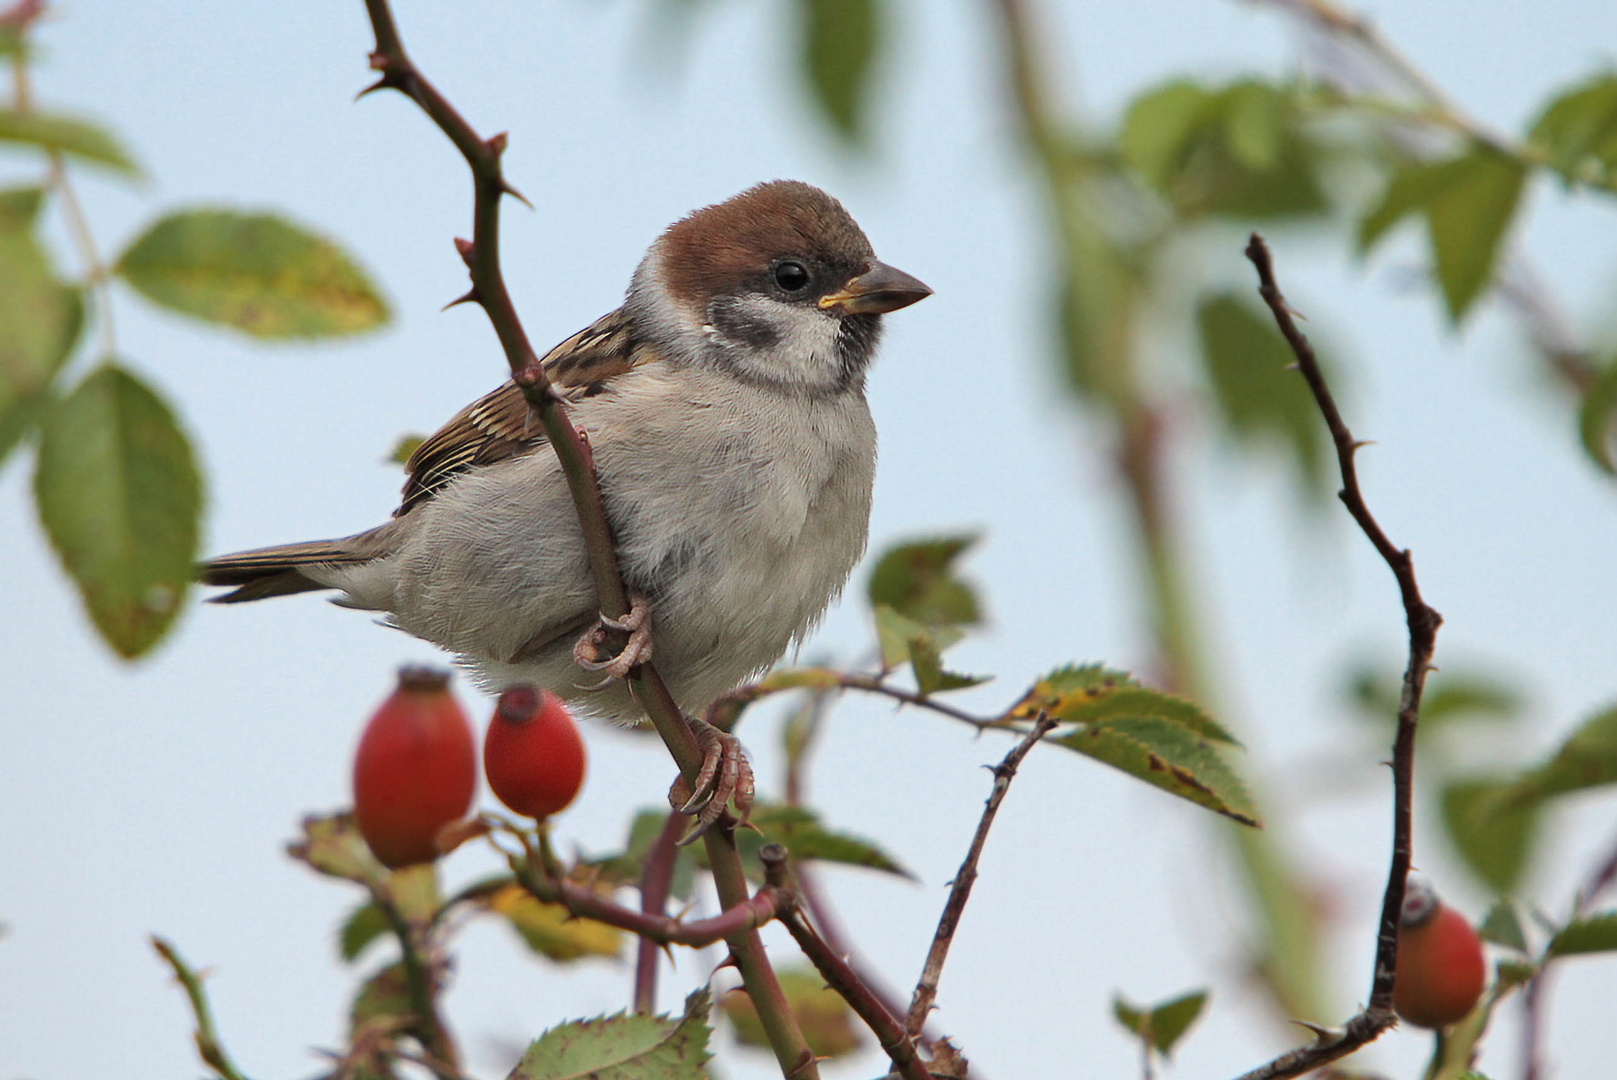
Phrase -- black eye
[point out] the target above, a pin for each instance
(791, 276)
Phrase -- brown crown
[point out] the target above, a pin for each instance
(718, 247)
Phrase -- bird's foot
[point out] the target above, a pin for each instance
(635, 651)
(725, 778)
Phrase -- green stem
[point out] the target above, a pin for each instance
(209, 1048)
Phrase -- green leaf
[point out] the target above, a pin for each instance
(1163, 1025)
(1595, 416)
(1410, 190)
(1596, 933)
(383, 999)
(1587, 759)
(806, 840)
(1255, 125)
(66, 135)
(1577, 131)
(1493, 837)
(1235, 151)
(40, 319)
(119, 494)
(930, 676)
(1467, 221)
(257, 273)
(623, 1047)
(917, 580)
(404, 448)
(364, 925)
(1156, 126)
(821, 1013)
(895, 632)
(1247, 362)
(1169, 756)
(1502, 927)
(551, 930)
(1469, 202)
(840, 41)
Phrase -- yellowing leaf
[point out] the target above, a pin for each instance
(550, 930)
(1168, 756)
(120, 497)
(256, 273)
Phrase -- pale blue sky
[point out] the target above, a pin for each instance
(155, 797)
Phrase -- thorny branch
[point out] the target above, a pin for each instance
(926, 989)
(1423, 622)
(899, 1044)
(481, 255)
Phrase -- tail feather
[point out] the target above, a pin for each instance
(278, 571)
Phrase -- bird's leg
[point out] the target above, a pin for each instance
(725, 778)
(635, 651)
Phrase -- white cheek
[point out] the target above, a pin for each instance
(805, 351)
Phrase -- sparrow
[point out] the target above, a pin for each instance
(724, 402)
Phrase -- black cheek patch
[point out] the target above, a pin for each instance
(732, 319)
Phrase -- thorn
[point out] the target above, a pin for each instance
(1360, 444)
(1323, 1036)
(729, 961)
(467, 249)
(506, 187)
(379, 84)
(470, 297)
(497, 143)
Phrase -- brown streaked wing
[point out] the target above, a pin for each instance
(498, 425)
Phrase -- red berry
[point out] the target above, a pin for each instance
(532, 754)
(1441, 970)
(415, 770)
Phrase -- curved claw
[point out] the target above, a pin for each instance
(635, 651)
(725, 779)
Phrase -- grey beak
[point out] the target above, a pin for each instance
(877, 291)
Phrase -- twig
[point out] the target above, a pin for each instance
(655, 880)
(421, 983)
(1600, 879)
(898, 1043)
(209, 1048)
(926, 989)
(1423, 622)
(481, 255)
(529, 869)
